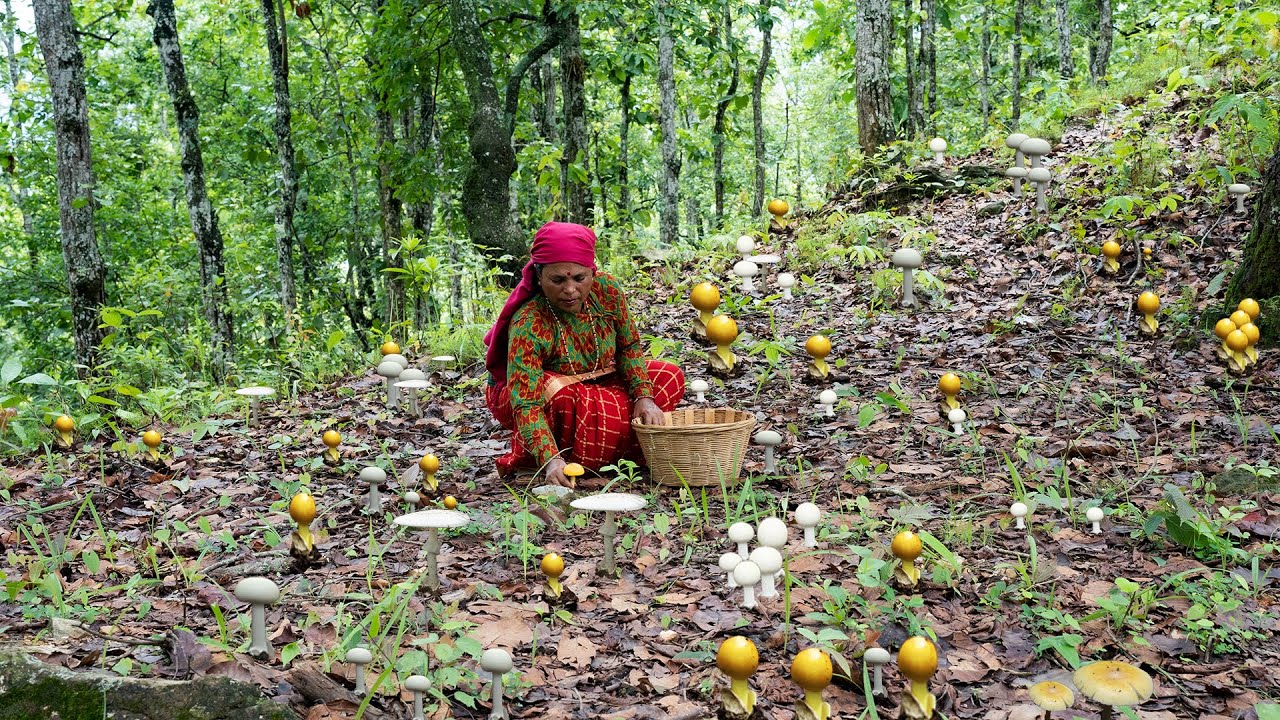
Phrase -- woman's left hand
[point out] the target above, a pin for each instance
(647, 412)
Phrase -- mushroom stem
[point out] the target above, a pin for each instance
(417, 706)
(908, 297)
(375, 499)
(360, 679)
(811, 537)
(433, 547)
(413, 403)
(1240, 203)
(749, 596)
(498, 713)
(607, 533)
(258, 647)
(767, 589)
(877, 681)
(392, 394)
(253, 411)
(747, 285)
(786, 293)
(702, 397)
(769, 466)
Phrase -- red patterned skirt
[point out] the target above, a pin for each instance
(590, 420)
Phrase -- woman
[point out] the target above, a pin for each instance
(566, 370)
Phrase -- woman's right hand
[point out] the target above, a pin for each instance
(555, 473)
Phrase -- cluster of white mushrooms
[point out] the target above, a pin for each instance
(746, 568)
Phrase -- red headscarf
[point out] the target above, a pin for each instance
(555, 242)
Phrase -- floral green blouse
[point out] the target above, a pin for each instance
(545, 339)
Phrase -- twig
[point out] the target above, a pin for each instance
(156, 642)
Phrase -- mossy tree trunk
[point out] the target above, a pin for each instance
(875, 101)
(1258, 276)
(757, 103)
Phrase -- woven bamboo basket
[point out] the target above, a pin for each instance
(697, 446)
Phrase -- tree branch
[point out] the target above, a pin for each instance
(555, 33)
(511, 18)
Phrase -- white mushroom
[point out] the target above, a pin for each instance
(391, 370)
(359, 657)
(1017, 174)
(412, 498)
(1019, 511)
(769, 440)
(255, 395)
(786, 281)
(1014, 142)
(772, 532)
(398, 359)
(745, 245)
(741, 534)
(1041, 177)
(1095, 515)
(610, 504)
(373, 476)
(827, 399)
(729, 561)
(807, 517)
(769, 560)
(700, 387)
(956, 417)
(433, 521)
(258, 592)
(746, 270)
(876, 658)
(496, 662)
(1036, 149)
(907, 260)
(418, 685)
(747, 574)
(1238, 191)
(938, 147)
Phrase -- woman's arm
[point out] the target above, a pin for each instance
(524, 377)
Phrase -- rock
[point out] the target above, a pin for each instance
(992, 209)
(30, 689)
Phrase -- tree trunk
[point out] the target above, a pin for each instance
(547, 122)
(669, 207)
(1101, 55)
(391, 208)
(929, 59)
(1016, 109)
(573, 73)
(984, 85)
(204, 220)
(288, 180)
(757, 104)
(12, 178)
(722, 109)
(86, 272)
(1065, 67)
(875, 102)
(624, 132)
(915, 102)
(1256, 276)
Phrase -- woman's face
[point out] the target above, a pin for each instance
(566, 285)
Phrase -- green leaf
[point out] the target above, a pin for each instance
(127, 390)
(91, 561)
(38, 379)
(289, 652)
(1267, 711)
(12, 368)
(111, 318)
(102, 401)
(334, 338)
(867, 415)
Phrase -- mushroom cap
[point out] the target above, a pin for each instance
(876, 656)
(1114, 683)
(1241, 318)
(331, 438)
(389, 369)
(373, 475)
(811, 669)
(429, 463)
(1016, 172)
(907, 258)
(398, 359)
(767, 259)
(704, 297)
(729, 561)
(807, 515)
(906, 545)
(722, 330)
(64, 423)
(778, 206)
(772, 531)
(610, 502)
(1035, 146)
(938, 145)
(412, 497)
(786, 280)
(746, 268)
(746, 573)
(1111, 249)
(389, 348)
(257, 590)
(1250, 306)
(151, 439)
(918, 658)
(737, 657)
(699, 386)
(1015, 140)
(359, 656)
(1094, 514)
(574, 470)
(552, 565)
(1039, 175)
(302, 507)
(818, 346)
(1252, 332)
(1237, 341)
(768, 559)
(554, 492)
(1238, 188)
(412, 374)
(1050, 695)
(417, 683)
(957, 416)
(496, 660)
(1148, 302)
(433, 519)
(949, 383)
(741, 532)
(745, 244)
(768, 438)
(1018, 509)
(411, 384)
(450, 502)
(1223, 328)
(828, 397)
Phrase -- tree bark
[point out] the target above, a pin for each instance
(875, 102)
(1016, 61)
(757, 104)
(573, 74)
(12, 178)
(283, 127)
(1065, 67)
(624, 132)
(86, 271)
(1257, 276)
(669, 206)
(204, 220)
(929, 59)
(1101, 55)
(984, 83)
(543, 81)
(391, 209)
(722, 109)
(915, 89)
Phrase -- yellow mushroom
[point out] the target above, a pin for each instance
(65, 427)
(907, 547)
(918, 661)
(553, 567)
(152, 440)
(1148, 304)
(332, 439)
(430, 465)
(1111, 254)
(819, 347)
(722, 331)
(705, 298)
(738, 658)
(949, 384)
(811, 670)
(1112, 683)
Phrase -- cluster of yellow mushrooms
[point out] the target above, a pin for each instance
(1239, 334)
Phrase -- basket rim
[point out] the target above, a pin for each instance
(743, 416)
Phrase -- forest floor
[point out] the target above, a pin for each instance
(1070, 408)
